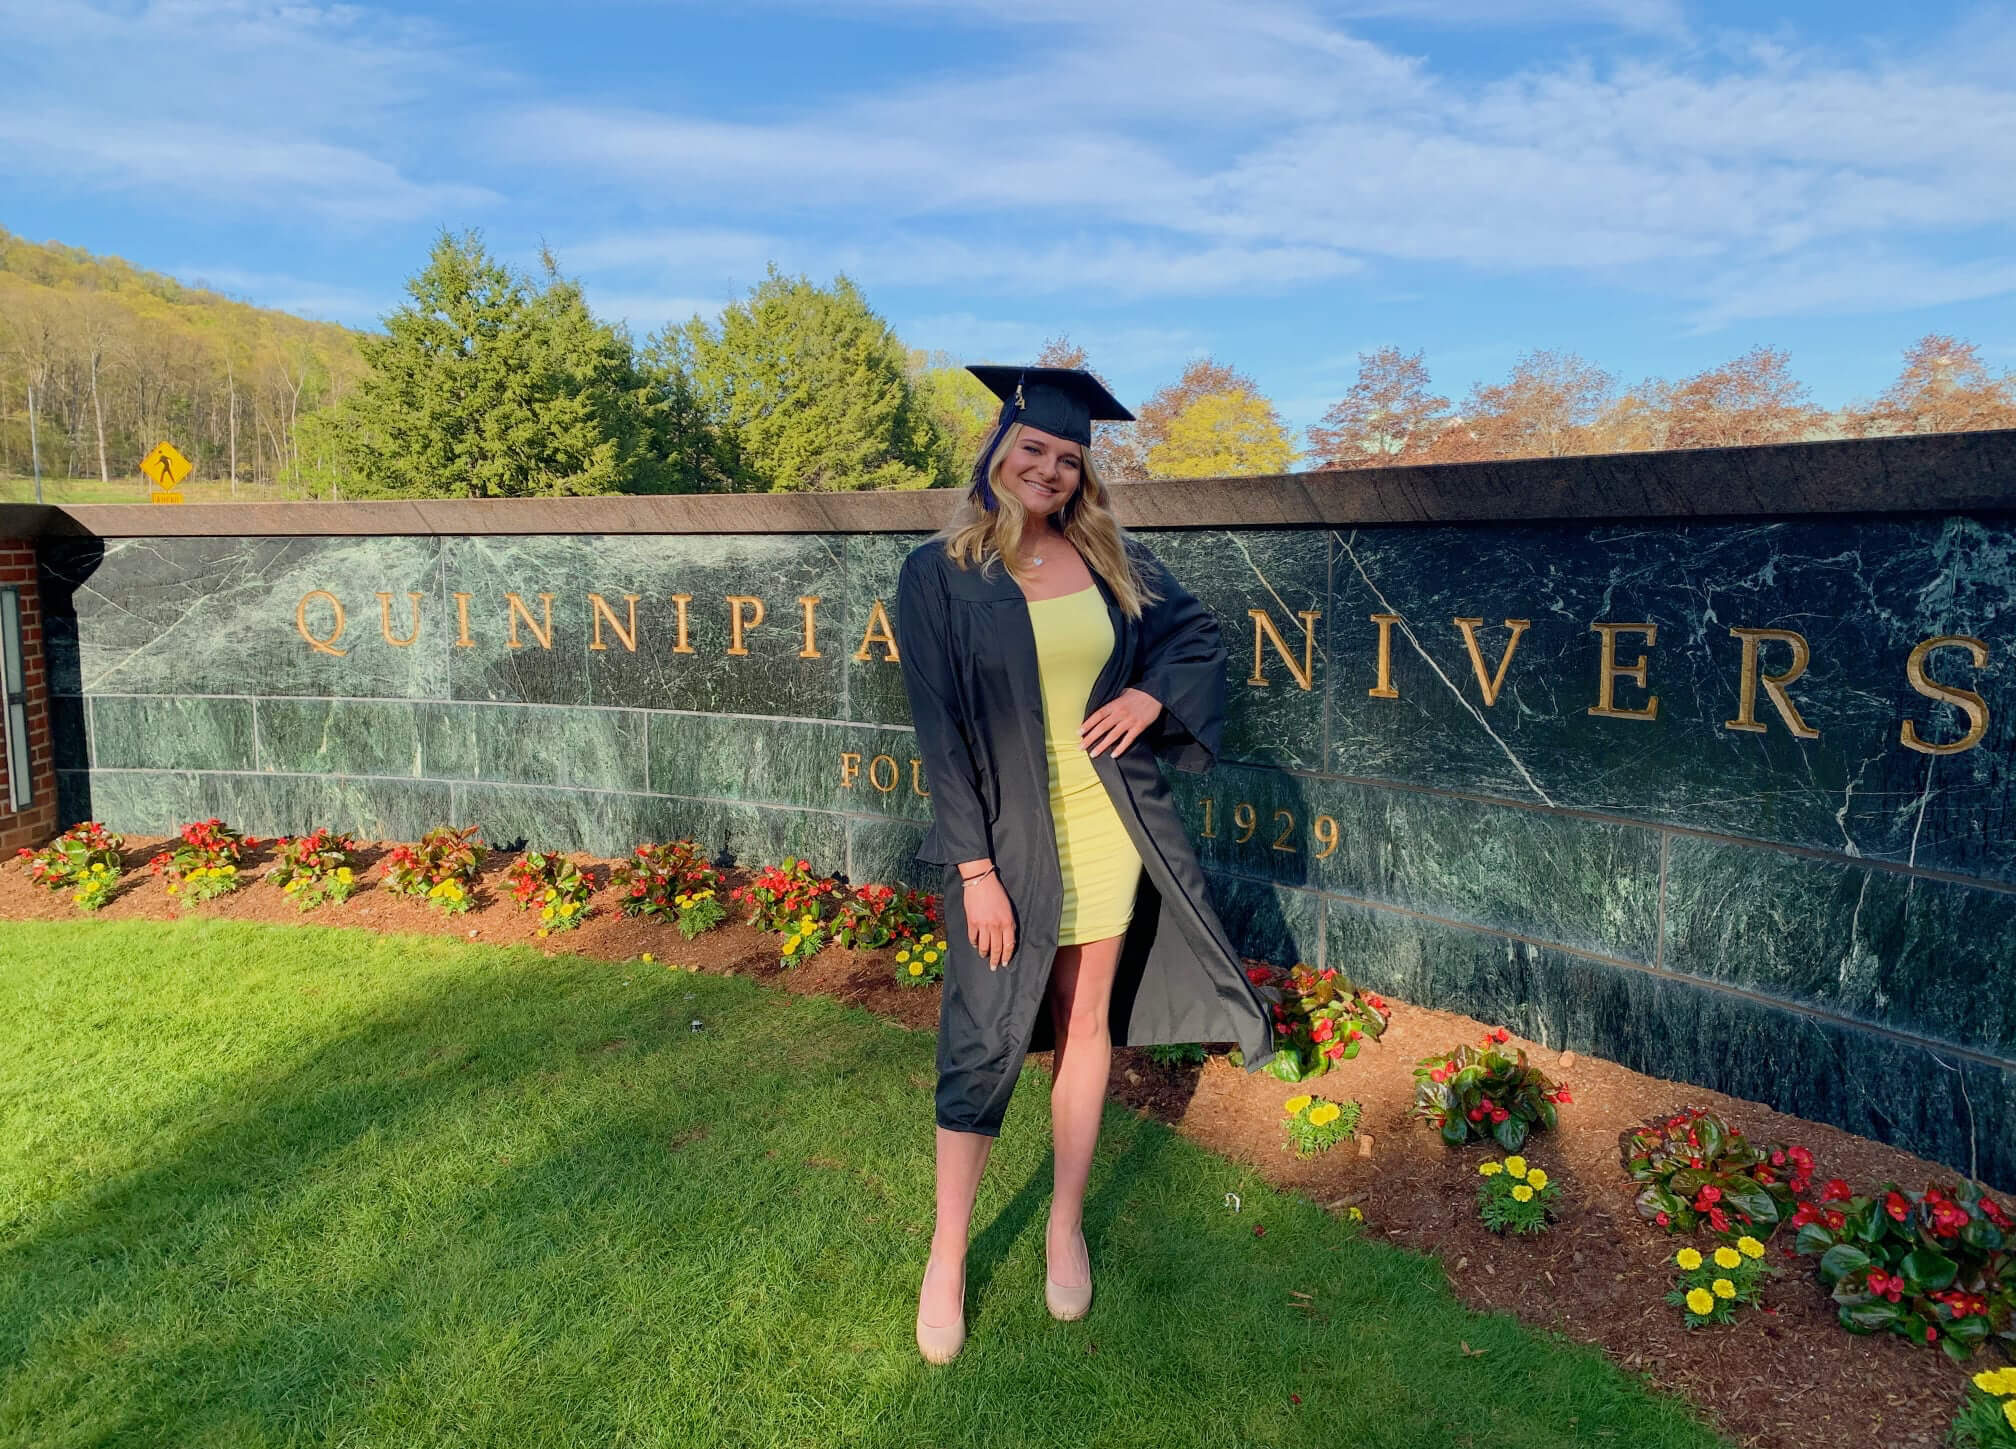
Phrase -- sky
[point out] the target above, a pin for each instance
(1658, 185)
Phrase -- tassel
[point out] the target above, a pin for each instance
(1010, 411)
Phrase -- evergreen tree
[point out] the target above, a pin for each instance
(808, 388)
(485, 386)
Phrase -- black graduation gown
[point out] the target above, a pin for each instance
(976, 697)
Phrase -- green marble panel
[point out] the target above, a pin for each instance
(612, 824)
(1587, 884)
(1269, 922)
(771, 677)
(874, 685)
(339, 736)
(1928, 957)
(160, 616)
(145, 802)
(1954, 1110)
(171, 733)
(370, 809)
(885, 851)
(1285, 572)
(856, 768)
(592, 749)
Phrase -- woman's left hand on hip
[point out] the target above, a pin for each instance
(1114, 726)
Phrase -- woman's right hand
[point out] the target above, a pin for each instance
(990, 920)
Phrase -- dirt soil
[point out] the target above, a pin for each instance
(1786, 1377)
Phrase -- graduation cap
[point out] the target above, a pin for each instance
(1064, 401)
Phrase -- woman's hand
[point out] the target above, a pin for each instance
(990, 920)
(1116, 725)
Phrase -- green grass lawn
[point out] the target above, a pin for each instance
(296, 1185)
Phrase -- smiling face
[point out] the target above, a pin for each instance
(1043, 470)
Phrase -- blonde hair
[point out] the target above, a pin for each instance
(989, 536)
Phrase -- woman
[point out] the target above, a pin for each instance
(1048, 659)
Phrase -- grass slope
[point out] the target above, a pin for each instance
(267, 1185)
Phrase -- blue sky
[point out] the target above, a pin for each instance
(1656, 184)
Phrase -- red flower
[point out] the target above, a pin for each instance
(1562, 1096)
(1476, 1114)
(1836, 1221)
(1897, 1207)
(1835, 1191)
(1501, 1036)
(1334, 1051)
(1931, 1334)
(1709, 1194)
(1323, 1030)
(1718, 1220)
(1663, 1220)
(1777, 1157)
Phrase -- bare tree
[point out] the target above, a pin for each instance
(1753, 399)
(1547, 408)
(1944, 388)
(1390, 415)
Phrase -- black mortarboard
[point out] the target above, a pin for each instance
(1064, 401)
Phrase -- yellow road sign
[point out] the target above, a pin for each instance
(161, 496)
(165, 467)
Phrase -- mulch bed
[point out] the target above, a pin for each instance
(1788, 1377)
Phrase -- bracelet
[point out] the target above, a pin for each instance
(975, 879)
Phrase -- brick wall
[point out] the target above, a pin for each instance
(37, 823)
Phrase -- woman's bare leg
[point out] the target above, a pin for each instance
(1081, 990)
(962, 1156)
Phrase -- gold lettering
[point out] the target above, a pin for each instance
(601, 610)
(1384, 688)
(737, 624)
(1264, 630)
(809, 602)
(1966, 700)
(301, 622)
(878, 632)
(1610, 671)
(1490, 687)
(518, 611)
(875, 773)
(385, 620)
(1774, 684)
(917, 779)
(850, 768)
(679, 603)
(463, 641)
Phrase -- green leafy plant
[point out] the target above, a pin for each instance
(1710, 1287)
(1937, 1267)
(315, 869)
(204, 863)
(554, 886)
(1481, 1092)
(1316, 1125)
(922, 962)
(1176, 1054)
(84, 860)
(782, 898)
(441, 870)
(1988, 1419)
(1320, 1020)
(1515, 1197)
(1694, 1169)
(875, 916)
(651, 881)
(700, 910)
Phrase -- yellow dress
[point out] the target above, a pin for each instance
(1095, 855)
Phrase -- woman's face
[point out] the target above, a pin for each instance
(1043, 471)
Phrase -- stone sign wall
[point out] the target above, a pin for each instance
(1725, 799)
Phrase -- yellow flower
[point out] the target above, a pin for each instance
(1324, 1115)
(2009, 1411)
(806, 923)
(1700, 1302)
(570, 908)
(1516, 1166)
(1727, 1257)
(902, 956)
(1294, 1105)
(647, 958)
(1522, 1193)
(1490, 1169)
(1356, 1216)
(1749, 1247)
(1537, 1178)
(931, 958)
(345, 874)
(1724, 1288)
(1998, 1382)
(916, 968)
(1688, 1259)
(791, 943)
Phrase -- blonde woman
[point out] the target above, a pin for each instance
(1049, 660)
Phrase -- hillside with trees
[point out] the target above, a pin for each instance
(121, 358)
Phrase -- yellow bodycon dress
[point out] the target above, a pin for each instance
(1097, 858)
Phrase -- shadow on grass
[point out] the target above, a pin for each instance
(477, 1196)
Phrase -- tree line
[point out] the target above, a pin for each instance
(487, 382)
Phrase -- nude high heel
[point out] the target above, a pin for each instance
(940, 1345)
(1067, 1305)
